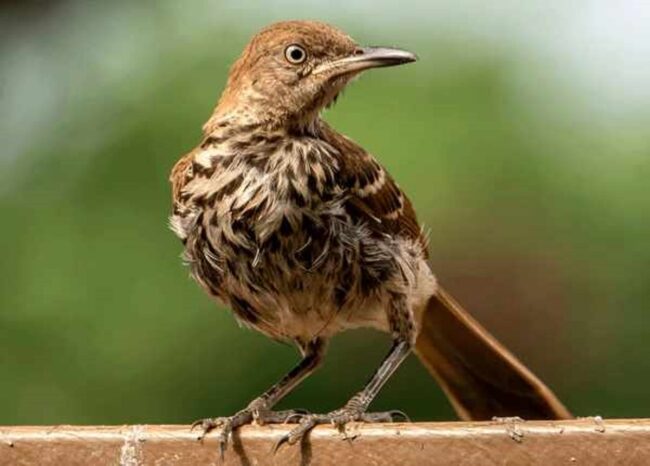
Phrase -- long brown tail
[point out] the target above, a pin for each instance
(481, 378)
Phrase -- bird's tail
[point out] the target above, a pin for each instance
(481, 377)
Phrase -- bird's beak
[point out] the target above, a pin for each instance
(365, 58)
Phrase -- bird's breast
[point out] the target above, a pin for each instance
(267, 232)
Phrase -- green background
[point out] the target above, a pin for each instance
(521, 136)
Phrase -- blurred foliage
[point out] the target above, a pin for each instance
(538, 216)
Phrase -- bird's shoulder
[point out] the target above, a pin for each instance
(371, 191)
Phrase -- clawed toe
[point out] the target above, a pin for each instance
(306, 424)
(207, 425)
(246, 416)
(387, 416)
(338, 418)
(289, 416)
(227, 425)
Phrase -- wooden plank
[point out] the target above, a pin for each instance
(588, 441)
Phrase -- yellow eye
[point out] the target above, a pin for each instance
(295, 54)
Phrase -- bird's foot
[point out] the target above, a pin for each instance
(338, 418)
(256, 412)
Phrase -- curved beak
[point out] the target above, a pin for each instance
(365, 58)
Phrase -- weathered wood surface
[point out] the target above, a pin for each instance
(588, 441)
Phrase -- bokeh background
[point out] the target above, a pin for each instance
(522, 136)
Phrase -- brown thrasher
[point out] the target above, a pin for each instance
(304, 234)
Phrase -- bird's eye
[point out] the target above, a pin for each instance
(295, 54)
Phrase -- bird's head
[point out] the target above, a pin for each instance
(291, 70)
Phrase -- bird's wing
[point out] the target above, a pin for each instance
(372, 192)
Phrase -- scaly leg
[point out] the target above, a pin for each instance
(403, 331)
(260, 408)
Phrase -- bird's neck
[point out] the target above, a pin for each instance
(246, 106)
(306, 124)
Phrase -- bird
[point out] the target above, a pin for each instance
(303, 234)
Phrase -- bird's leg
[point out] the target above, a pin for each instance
(260, 408)
(401, 321)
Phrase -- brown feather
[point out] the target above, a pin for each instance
(479, 375)
(386, 208)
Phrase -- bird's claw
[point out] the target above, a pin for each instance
(243, 417)
(207, 425)
(394, 415)
(227, 425)
(339, 418)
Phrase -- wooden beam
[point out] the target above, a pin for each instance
(588, 441)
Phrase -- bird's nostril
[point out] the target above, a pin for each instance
(358, 51)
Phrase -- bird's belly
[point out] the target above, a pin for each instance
(315, 273)
(305, 282)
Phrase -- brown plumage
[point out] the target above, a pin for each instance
(303, 234)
